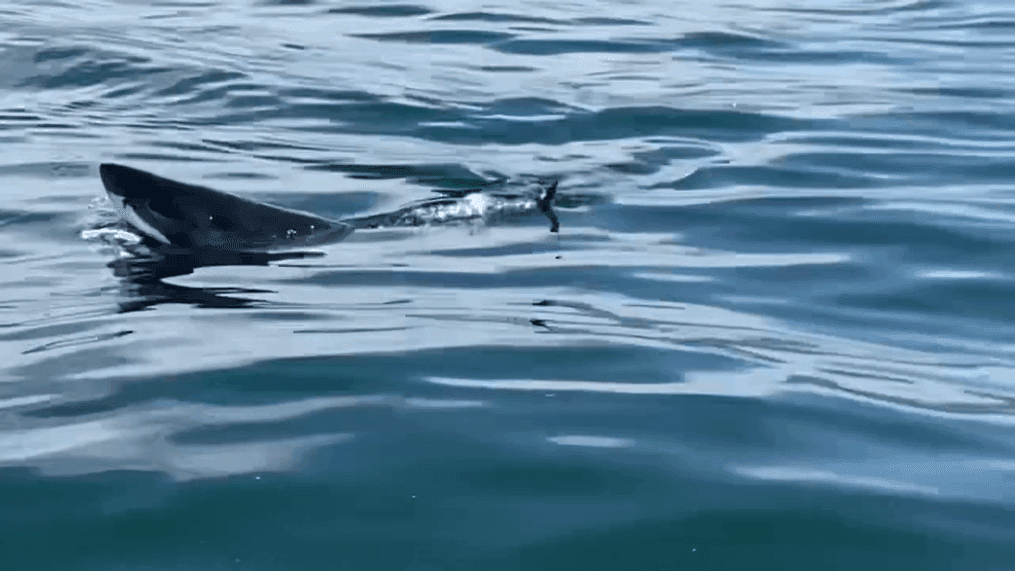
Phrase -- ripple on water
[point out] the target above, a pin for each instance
(776, 310)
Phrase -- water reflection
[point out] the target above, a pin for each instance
(143, 277)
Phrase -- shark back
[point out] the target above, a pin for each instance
(196, 217)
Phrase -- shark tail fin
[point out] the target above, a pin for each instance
(545, 204)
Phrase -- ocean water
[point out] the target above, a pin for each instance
(773, 332)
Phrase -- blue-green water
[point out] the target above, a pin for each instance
(774, 332)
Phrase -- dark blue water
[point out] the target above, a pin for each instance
(774, 331)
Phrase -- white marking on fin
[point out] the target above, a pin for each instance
(116, 200)
(135, 220)
(143, 226)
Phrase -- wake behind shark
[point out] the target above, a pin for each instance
(176, 215)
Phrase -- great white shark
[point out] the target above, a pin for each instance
(181, 216)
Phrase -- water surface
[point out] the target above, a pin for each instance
(774, 331)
